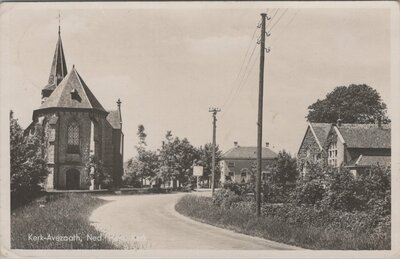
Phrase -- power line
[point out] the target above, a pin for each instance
(286, 26)
(280, 17)
(241, 67)
(239, 85)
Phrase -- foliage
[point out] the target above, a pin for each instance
(353, 103)
(295, 225)
(284, 169)
(225, 197)
(177, 157)
(28, 169)
(310, 189)
(205, 160)
(144, 164)
(102, 178)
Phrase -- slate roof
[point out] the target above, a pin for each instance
(58, 67)
(72, 92)
(365, 160)
(321, 131)
(365, 135)
(114, 119)
(248, 153)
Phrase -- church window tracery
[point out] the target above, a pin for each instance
(73, 138)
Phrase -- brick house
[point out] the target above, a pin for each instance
(237, 162)
(312, 147)
(354, 146)
(75, 126)
(359, 146)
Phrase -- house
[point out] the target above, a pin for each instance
(359, 146)
(354, 146)
(237, 162)
(312, 147)
(76, 126)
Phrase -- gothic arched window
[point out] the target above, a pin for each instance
(73, 138)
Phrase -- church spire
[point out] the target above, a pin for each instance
(58, 67)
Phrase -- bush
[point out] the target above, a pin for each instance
(28, 169)
(225, 198)
(305, 226)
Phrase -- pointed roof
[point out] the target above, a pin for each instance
(58, 67)
(320, 132)
(114, 119)
(72, 92)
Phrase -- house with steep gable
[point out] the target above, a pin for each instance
(354, 146)
(75, 127)
(359, 146)
(312, 147)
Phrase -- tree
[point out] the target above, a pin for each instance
(353, 104)
(176, 158)
(28, 169)
(145, 163)
(205, 160)
(101, 177)
(285, 168)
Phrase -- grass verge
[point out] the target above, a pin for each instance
(242, 220)
(61, 223)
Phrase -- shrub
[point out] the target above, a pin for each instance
(225, 198)
(28, 169)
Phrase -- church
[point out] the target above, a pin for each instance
(76, 127)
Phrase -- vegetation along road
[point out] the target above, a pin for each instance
(152, 223)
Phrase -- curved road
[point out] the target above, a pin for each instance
(151, 222)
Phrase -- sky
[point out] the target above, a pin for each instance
(170, 62)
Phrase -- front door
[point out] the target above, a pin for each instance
(73, 179)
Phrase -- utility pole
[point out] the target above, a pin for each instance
(214, 113)
(260, 116)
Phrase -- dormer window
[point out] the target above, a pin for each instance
(75, 95)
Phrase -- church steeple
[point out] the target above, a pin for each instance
(58, 68)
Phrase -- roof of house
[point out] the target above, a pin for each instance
(248, 153)
(72, 92)
(321, 131)
(366, 135)
(58, 67)
(114, 119)
(366, 160)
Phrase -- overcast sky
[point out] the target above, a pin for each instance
(170, 62)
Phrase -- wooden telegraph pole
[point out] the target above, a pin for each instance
(260, 116)
(214, 113)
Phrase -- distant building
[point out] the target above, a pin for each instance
(75, 126)
(354, 146)
(237, 162)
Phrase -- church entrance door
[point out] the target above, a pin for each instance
(73, 179)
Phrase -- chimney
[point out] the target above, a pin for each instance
(266, 144)
(235, 143)
(339, 122)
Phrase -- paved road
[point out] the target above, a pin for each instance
(151, 222)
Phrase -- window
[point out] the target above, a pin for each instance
(73, 138)
(332, 154)
(231, 164)
(243, 176)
